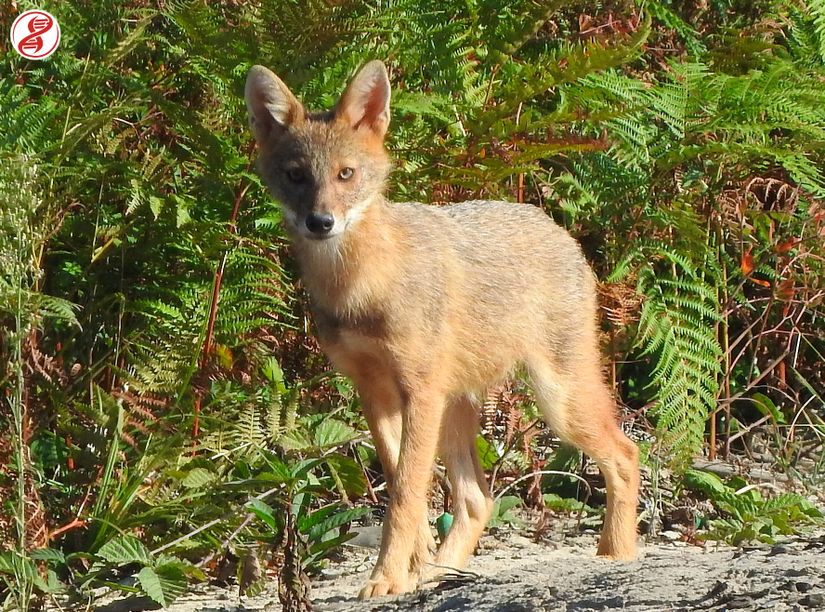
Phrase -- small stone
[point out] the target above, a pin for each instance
(521, 541)
(813, 600)
(671, 535)
(366, 537)
(803, 587)
(330, 574)
(739, 603)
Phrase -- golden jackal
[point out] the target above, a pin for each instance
(425, 308)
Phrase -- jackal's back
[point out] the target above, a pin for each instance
(506, 276)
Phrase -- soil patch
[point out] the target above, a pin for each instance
(512, 573)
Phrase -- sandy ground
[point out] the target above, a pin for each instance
(511, 573)
(516, 574)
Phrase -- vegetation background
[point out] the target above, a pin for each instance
(164, 412)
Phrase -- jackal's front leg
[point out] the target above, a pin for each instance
(408, 498)
(383, 409)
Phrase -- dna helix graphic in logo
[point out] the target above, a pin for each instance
(35, 34)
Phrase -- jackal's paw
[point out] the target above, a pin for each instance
(616, 549)
(384, 584)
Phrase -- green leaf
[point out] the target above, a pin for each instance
(125, 549)
(565, 504)
(187, 567)
(317, 530)
(422, 104)
(7, 559)
(767, 407)
(198, 477)
(155, 206)
(50, 555)
(705, 481)
(181, 211)
(347, 474)
(296, 440)
(163, 584)
(502, 511)
(332, 432)
(265, 512)
(487, 453)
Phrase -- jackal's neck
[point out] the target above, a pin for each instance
(352, 273)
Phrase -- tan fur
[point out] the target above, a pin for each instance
(425, 308)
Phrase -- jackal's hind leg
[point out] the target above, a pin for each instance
(579, 407)
(472, 503)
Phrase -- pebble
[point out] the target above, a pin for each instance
(813, 600)
(519, 540)
(739, 603)
(366, 536)
(330, 574)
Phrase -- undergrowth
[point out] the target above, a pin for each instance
(165, 411)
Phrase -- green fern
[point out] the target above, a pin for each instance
(677, 327)
(747, 515)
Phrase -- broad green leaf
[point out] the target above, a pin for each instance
(501, 510)
(348, 474)
(198, 477)
(705, 482)
(565, 504)
(265, 512)
(332, 432)
(317, 529)
(187, 567)
(125, 549)
(155, 206)
(7, 559)
(49, 554)
(163, 584)
(487, 453)
(296, 440)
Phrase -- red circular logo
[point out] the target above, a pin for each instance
(35, 34)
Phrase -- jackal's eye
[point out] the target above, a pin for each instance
(345, 174)
(296, 175)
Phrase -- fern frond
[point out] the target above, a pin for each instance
(677, 325)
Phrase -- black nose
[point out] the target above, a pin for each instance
(320, 223)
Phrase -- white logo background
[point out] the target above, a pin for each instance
(35, 34)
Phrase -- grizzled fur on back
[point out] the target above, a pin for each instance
(504, 275)
(424, 308)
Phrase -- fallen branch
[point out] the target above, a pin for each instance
(726, 470)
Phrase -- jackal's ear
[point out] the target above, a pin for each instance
(272, 107)
(366, 101)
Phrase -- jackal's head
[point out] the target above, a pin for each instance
(325, 168)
